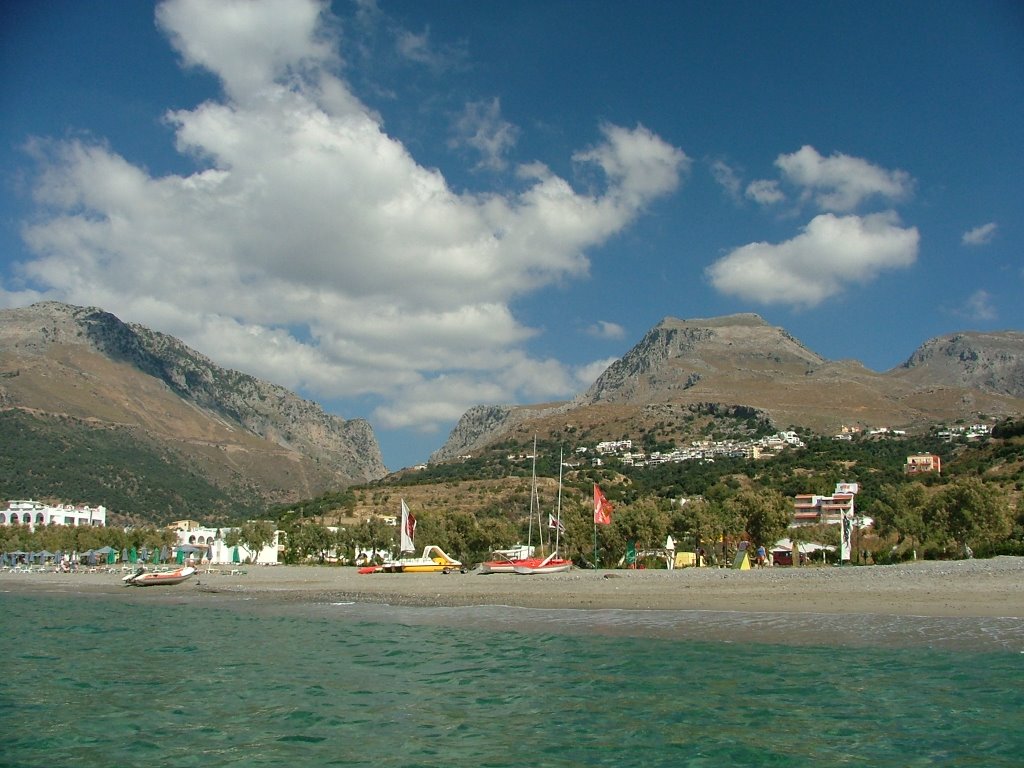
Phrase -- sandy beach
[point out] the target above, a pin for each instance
(972, 588)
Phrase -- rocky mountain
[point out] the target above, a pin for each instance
(685, 371)
(65, 363)
(991, 362)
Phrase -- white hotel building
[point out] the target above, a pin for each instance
(33, 513)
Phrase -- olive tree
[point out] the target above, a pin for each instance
(254, 535)
(970, 511)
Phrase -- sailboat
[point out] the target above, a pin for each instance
(507, 561)
(504, 560)
(433, 559)
(553, 563)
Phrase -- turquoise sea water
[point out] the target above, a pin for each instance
(105, 681)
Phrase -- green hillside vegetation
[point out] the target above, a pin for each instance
(67, 460)
(473, 506)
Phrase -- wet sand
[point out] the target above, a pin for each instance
(973, 588)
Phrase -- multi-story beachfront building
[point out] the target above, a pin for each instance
(810, 508)
(33, 513)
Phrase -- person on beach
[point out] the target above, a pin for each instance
(761, 555)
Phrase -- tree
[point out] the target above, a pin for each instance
(767, 513)
(308, 539)
(643, 523)
(900, 509)
(968, 510)
(375, 535)
(254, 535)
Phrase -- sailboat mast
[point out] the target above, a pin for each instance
(558, 511)
(533, 495)
(536, 503)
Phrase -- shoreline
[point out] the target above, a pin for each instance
(965, 588)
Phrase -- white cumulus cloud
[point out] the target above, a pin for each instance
(840, 182)
(311, 248)
(830, 253)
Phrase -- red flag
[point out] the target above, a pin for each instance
(602, 508)
(554, 522)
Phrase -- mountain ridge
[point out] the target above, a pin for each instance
(85, 363)
(741, 362)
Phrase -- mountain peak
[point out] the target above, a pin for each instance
(738, 319)
(741, 364)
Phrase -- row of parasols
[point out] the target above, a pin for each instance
(108, 555)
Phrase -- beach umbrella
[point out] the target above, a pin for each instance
(235, 557)
(111, 557)
(164, 554)
(133, 555)
(181, 556)
(90, 557)
(124, 555)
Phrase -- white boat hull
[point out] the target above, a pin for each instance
(153, 578)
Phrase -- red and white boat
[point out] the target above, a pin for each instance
(517, 560)
(504, 560)
(144, 578)
(550, 564)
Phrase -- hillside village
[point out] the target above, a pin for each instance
(698, 450)
(764, 447)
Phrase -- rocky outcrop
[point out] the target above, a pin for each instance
(483, 424)
(991, 362)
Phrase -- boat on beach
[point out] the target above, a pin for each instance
(506, 561)
(550, 564)
(144, 578)
(433, 560)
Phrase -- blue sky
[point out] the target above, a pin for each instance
(404, 209)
